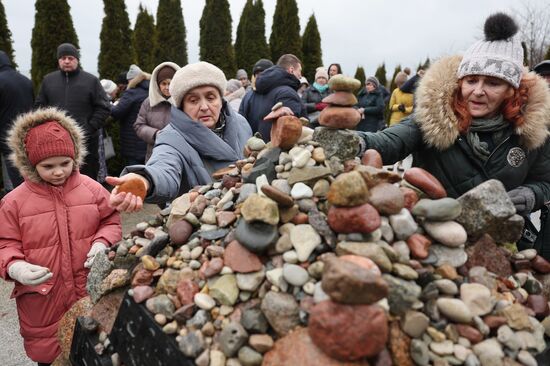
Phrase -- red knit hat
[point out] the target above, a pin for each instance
(46, 140)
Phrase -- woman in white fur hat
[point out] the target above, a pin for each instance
(204, 134)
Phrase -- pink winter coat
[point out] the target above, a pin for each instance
(53, 227)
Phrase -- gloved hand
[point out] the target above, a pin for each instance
(29, 274)
(320, 106)
(401, 107)
(96, 248)
(523, 199)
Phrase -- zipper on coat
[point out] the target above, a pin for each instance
(66, 88)
(495, 149)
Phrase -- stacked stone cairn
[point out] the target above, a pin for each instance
(295, 257)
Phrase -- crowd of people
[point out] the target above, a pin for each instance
(466, 119)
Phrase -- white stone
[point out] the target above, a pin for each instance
(250, 281)
(290, 256)
(477, 297)
(446, 286)
(319, 295)
(309, 288)
(260, 182)
(204, 301)
(489, 352)
(301, 190)
(304, 239)
(449, 233)
(209, 216)
(454, 309)
(403, 224)
(295, 275)
(275, 276)
(442, 348)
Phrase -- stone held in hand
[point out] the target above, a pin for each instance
(339, 117)
(341, 98)
(343, 83)
(285, 132)
(277, 106)
(426, 182)
(135, 186)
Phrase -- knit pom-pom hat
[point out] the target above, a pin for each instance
(193, 75)
(499, 55)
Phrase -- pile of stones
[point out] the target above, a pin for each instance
(305, 255)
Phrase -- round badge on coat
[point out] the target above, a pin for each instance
(516, 156)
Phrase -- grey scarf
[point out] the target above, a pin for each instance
(499, 128)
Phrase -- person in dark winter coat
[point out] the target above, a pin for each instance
(154, 113)
(16, 97)
(314, 95)
(53, 226)
(126, 111)
(474, 121)
(82, 96)
(370, 104)
(279, 83)
(204, 135)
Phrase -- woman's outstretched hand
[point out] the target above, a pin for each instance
(125, 201)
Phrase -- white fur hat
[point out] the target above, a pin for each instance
(193, 75)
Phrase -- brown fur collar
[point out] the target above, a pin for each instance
(439, 124)
(22, 125)
(138, 79)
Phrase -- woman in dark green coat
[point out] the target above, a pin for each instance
(370, 103)
(479, 117)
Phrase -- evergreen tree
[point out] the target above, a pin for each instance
(426, 64)
(144, 40)
(250, 44)
(395, 72)
(360, 74)
(285, 31)
(215, 36)
(311, 49)
(171, 44)
(380, 74)
(116, 53)
(53, 25)
(6, 43)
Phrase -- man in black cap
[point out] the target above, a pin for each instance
(543, 69)
(273, 84)
(82, 96)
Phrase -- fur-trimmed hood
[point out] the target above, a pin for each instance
(138, 79)
(237, 94)
(155, 96)
(25, 122)
(439, 124)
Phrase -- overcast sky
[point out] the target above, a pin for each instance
(353, 32)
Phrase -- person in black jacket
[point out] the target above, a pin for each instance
(370, 104)
(16, 97)
(81, 95)
(278, 83)
(133, 148)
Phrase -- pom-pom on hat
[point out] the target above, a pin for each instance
(46, 140)
(133, 71)
(499, 55)
(194, 75)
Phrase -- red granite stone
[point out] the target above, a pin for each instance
(240, 259)
(285, 132)
(142, 293)
(469, 332)
(229, 181)
(142, 277)
(180, 231)
(418, 245)
(494, 321)
(425, 181)
(348, 332)
(296, 348)
(539, 305)
(411, 197)
(373, 158)
(339, 117)
(211, 268)
(399, 345)
(186, 291)
(387, 198)
(358, 219)
(485, 253)
(278, 196)
(225, 218)
(540, 264)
